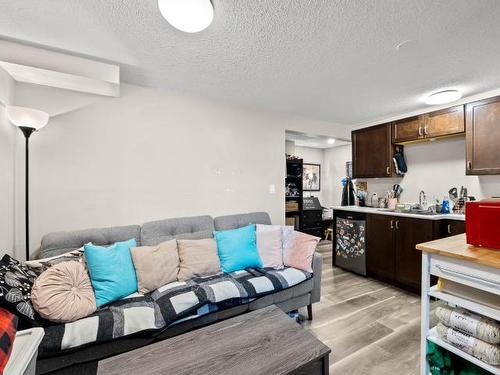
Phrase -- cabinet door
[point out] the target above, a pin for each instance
(449, 121)
(455, 227)
(407, 130)
(482, 123)
(409, 233)
(380, 251)
(372, 152)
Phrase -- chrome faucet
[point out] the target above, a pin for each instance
(422, 200)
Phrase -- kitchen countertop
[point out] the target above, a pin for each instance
(385, 211)
(456, 247)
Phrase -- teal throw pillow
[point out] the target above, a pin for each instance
(237, 249)
(111, 270)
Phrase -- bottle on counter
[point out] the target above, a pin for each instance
(445, 207)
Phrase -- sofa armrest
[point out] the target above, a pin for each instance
(317, 268)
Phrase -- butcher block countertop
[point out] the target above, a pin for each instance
(457, 247)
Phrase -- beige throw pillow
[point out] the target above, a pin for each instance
(197, 257)
(63, 293)
(155, 266)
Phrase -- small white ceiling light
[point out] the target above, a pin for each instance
(331, 141)
(443, 97)
(24, 117)
(190, 16)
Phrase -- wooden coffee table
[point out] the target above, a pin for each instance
(265, 341)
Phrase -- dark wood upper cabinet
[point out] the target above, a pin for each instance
(372, 152)
(482, 122)
(449, 121)
(443, 123)
(407, 130)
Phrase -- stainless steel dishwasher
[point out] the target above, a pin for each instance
(350, 241)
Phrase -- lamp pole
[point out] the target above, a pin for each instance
(27, 120)
(27, 132)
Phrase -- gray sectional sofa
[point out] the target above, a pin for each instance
(84, 360)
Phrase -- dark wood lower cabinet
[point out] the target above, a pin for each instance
(408, 233)
(380, 249)
(447, 228)
(391, 255)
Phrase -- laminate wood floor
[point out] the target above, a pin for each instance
(372, 328)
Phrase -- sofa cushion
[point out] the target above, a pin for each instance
(241, 220)
(197, 257)
(185, 228)
(166, 305)
(111, 271)
(237, 249)
(155, 266)
(287, 294)
(63, 293)
(62, 242)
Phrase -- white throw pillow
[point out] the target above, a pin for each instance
(270, 240)
(269, 246)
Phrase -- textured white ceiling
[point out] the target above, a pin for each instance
(329, 59)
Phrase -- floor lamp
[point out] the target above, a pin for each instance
(28, 120)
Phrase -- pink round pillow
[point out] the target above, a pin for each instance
(63, 293)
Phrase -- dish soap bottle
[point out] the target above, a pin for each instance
(445, 208)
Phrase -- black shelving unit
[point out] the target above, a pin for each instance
(294, 191)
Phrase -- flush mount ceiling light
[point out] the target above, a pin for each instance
(443, 97)
(190, 16)
(331, 141)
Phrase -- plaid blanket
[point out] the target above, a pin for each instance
(8, 324)
(168, 305)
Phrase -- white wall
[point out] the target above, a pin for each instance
(434, 167)
(151, 154)
(7, 154)
(334, 171)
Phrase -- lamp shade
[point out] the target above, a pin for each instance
(27, 117)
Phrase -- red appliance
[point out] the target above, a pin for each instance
(482, 223)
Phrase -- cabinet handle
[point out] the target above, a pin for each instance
(392, 224)
(469, 165)
(397, 224)
(425, 130)
(388, 170)
(449, 228)
(481, 280)
(420, 133)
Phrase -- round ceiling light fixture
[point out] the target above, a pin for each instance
(331, 141)
(443, 97)
(190, 16)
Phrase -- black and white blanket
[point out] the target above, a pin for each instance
(167, 305)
